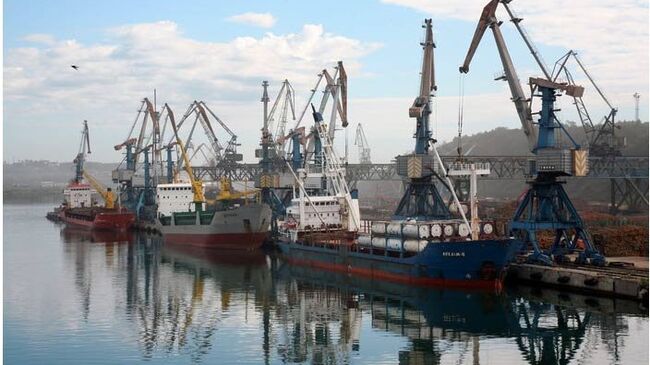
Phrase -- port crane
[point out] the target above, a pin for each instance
(199, 149)
(336, 87)
(286, 100)
(106, 193)
(81, 174)
(362, 142)
(197, 185)
(84, 148)
(421, 199)
(601, 136)
(545, 205)
(223, 155)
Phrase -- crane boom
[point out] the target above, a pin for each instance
(106, 193)
(428, 79)
(531, 47)
(205, 122)
(197, 185)
(522, 104)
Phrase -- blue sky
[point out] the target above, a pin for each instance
(380, 45)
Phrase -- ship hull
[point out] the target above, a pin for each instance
(98, 218)
(471, 264)
(242, 228)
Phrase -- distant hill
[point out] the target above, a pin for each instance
(511, 142)
(48, 174)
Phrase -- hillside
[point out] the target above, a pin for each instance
(511, 142)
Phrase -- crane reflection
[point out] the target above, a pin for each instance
(177, 299)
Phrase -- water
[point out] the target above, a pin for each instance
(71, 297)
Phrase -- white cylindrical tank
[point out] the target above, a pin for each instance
(436, 230)
(394, 229)
(415, 245)
(448, 230)
(410, 231)
(488, 228)
(394, 244)
(463, 230)
(378, 228)
(379, 242)
(424, 231)
(364, 240)
(418, 231)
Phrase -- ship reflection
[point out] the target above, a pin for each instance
(176, 299)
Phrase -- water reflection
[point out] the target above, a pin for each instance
(179, 300)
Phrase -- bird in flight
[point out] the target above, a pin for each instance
(75, 67)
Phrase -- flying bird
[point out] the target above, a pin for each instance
(75, 67)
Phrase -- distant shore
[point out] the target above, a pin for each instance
(31, 194)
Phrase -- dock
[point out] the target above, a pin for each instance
(622, 277)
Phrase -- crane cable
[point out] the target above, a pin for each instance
(461, 108)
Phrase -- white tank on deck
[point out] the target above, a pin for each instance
(488, 228)
(436, 230)
(394, 244)
(415, 245)
(394, 229)
(364, 240)
(463, 230)
(379, 242)
(448, 230)
(378, 228)
(418, 231)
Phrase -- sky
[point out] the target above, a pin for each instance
(220, 51)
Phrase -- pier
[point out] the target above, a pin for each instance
(622, 277)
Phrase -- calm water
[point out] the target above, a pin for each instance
(72, 297)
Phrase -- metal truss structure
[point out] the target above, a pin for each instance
(628, 175)
(503, 168)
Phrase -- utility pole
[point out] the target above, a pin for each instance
(636, 106)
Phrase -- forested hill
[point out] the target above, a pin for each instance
(511, 142)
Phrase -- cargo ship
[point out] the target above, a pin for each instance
(423, 243)
(80, 206)
(240, 225)
(233, 221)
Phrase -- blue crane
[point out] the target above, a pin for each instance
(421, 199)
(545, 205)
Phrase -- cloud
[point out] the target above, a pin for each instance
(41, 90)
(40, 38)
(611, 36)
(262, 20)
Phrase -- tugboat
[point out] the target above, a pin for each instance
(80, 206)
(423, 244)
(235, 222)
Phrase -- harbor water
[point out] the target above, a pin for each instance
(78, 297)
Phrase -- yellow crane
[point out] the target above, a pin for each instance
(226, 191)
(106, 193)
(197, 185)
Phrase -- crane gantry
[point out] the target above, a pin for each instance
(545, 205)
